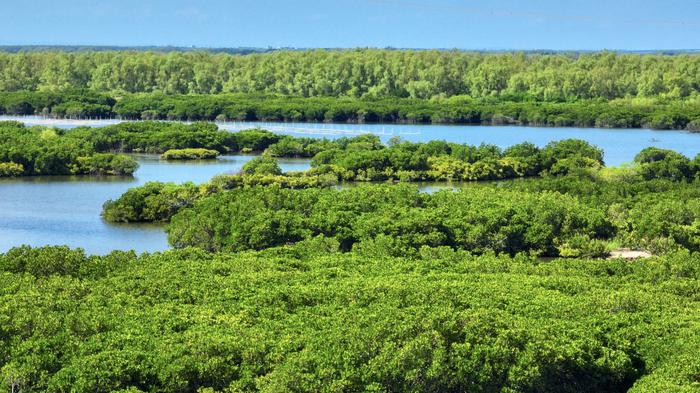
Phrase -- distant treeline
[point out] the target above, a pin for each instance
(149, 48)
(359, 73)
(622, 113)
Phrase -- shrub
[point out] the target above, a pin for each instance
(655, 163)
(693, 126)
(263, 165)
(11, 169)
(152, 202)
(189, 154)
(107, 164)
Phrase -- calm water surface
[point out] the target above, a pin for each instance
(619, 145)
(55, 210)
(66, 210)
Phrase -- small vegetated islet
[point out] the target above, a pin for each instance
(45, 151)
(189, 154)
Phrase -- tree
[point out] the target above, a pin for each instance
(655, 163)
(262, 165)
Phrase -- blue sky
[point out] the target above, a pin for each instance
(464, 24)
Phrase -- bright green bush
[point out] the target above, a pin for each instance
(154, 137)
(255, 140)
(189, 154)
(660, 224)
(10, 169)
(263, 165)
(107, 164)
(694, 126)
(152, 202)
(439, 160)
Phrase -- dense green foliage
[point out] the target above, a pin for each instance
(657, 215)
(158, 202)
(48, 151)
(361, 158)
(155, 137)
(45, 151)
(568, 216)
(106, 164)
(364, 158)
(666, 164)
(263, 165)
(69, 103)
(189, 154)
(601, 89)
(152, 202)
(659, 113)
(305, 319)
(368, 160)
(300, 282)
(158, 137)
(358, 73)
(623, 113)
(397, 219)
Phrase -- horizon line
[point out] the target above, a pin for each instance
(183, 48)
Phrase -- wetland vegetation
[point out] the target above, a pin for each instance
(343, 275)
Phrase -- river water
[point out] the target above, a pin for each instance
(56, 210)
(60, 210)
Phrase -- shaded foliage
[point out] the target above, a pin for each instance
(619, 113)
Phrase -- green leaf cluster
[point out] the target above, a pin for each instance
(305, 319)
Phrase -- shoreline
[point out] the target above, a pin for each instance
(97, 122)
